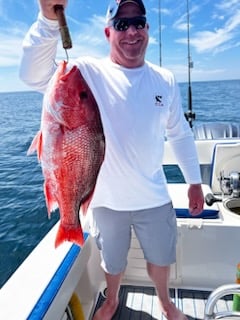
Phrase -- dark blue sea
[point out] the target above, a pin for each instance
(23, 215)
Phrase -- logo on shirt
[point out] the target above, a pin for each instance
(158, 101)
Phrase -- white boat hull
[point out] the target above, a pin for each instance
(207, 256)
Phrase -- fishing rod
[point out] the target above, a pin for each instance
(190, 115)
(160, 32)
(63, 28)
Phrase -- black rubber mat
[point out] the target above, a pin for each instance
(141, 303)
(132, 304)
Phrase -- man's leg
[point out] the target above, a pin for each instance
(160, 277)
(109, 307)
(113, 236)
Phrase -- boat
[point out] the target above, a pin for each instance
(68, 283)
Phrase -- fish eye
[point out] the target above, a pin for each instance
(83, 95)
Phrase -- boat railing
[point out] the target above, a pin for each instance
(216, 295)
(216, 130)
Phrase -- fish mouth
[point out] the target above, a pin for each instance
(65, 76)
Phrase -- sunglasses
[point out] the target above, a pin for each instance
(122, 24)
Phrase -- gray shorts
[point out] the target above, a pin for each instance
(155, 228)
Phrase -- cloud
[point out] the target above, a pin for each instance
(153, 41)
(198, 73)
(207, 41)
(12, 30)
(10, 47)
(228, 6)
(220, 39)
(181, 23)
(217, 40)
(88, 41)
(164, 11)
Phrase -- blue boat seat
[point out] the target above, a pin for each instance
(206, 214)
(178, 193)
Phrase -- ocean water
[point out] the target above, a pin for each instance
(23, 215)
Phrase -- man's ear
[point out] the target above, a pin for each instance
(107, 32)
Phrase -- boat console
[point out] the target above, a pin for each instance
(225, 179)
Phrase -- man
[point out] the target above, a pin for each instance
(139, 104)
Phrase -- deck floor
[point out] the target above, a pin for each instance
(140, 303)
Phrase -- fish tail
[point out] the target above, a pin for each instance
(69, 233)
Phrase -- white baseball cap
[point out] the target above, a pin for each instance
(114, 6)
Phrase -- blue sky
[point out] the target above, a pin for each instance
(214, 36)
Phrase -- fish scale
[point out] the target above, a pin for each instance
(70, 147)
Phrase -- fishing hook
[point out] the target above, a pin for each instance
(63, 28)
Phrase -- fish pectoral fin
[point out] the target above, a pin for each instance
(86, 202)
(51, 201)
(36, 145)
(72, 233)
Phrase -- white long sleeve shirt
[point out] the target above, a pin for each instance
(139, 107)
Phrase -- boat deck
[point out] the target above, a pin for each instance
(140, 303)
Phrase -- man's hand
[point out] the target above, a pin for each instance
(196, 199)
(47, 7)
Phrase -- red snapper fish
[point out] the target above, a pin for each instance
(70, 146)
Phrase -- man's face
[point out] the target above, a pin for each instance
(128, 47)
